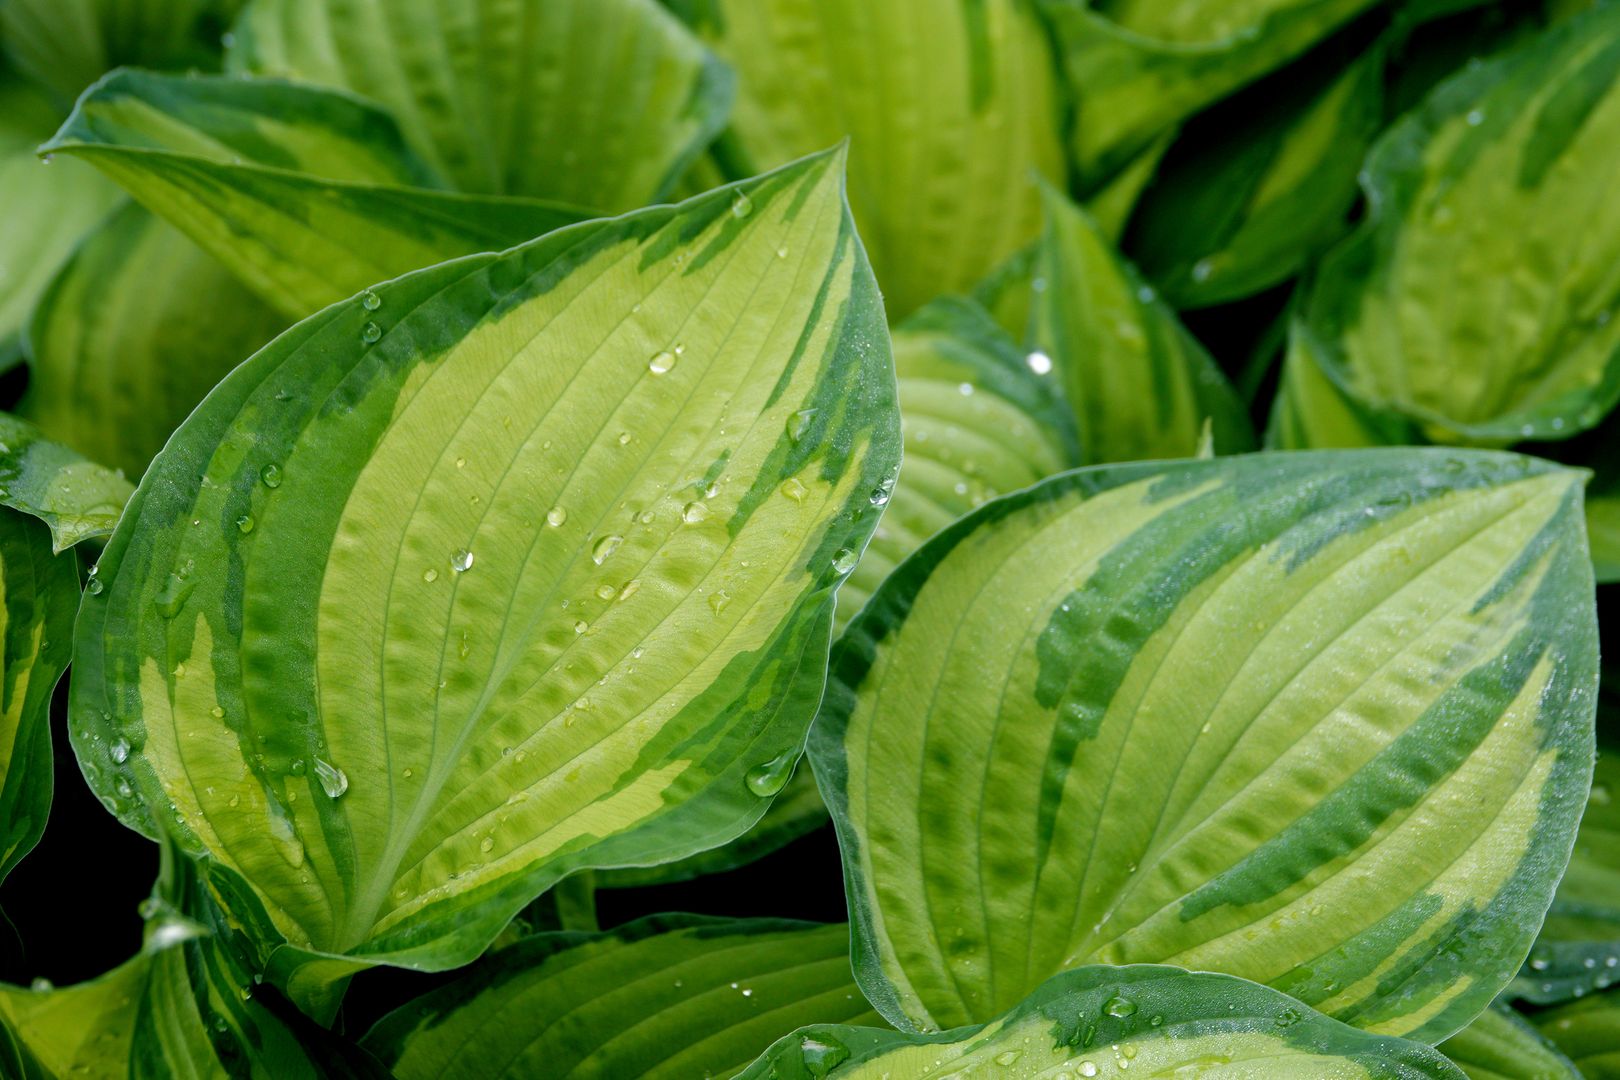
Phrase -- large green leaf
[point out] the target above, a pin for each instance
(1323, 720)
(39, 594)
(1588, 1032)
(66, 45)
(1139, 1020)
(1579, 947)
(641, 452)
(601, 103)
(48, 205)
(672, 996)
(1478, 297)
(1501, 1045)
(979, 421)
(77, 498)
(120, 350)
(306, 194)
(1313, 410)
(1140, 385)
(951, 109)
(1249, 192)
(1136, 68)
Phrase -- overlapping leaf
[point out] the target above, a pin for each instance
(951, 110)
(1588, 1033)
(77, 498)
(1140, 385)
(1320, 720)
(600, 103)
(1117, 1022)
(138, 326)
(1478, 299)
(519, 565)
(1501, 1045)
(672, 996)
(1137, 68)
(307, 195)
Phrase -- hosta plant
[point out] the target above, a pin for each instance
(809, 540)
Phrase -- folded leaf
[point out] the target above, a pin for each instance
(637, 455)
(1578, 950)
(1477, 299)
(951, 110)
(1136, 68)
(1322, 720)
(1501, 1045)
(980, 418)
(39, 593)
(1140, 385)
(66, 44)
(299, 191)
(673, 996)
(77, 498)
(120, 349)
(1257, 186)
(1116, 1022)
(1588, 1032)
(62, 199)
(600, 103)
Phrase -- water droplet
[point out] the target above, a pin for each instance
(370, 333)
(821, 1054)
(662, 362)
(430, 575)
(782, 252)
(245, 523)
(1202, 269)
(487, 844)
(41, 985)
(624, 438)
(965, 389)
(581, 626)
(1119, 1007)
(793, 489)
(94, 587)
(1088, 1069)
(172, 597)
(461, 561)
(556, 516)
(798, 425)
(605, 592)
(741, 205)
(299, 768)
(1475, 117)
(370, 300)
(630, 589)
(119, 750)
(844, 560)
(881, 494)
(1008, 1057)
(718, 600)
(604, 548)
(217, 712)
(694, 512)
(180, 671)
(1288, 1018)
(271, 475)
(332, 779)
(770, 777)
(461, 463)
(1039, 363)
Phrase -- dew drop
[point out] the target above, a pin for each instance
(770, 777)
(606, 592)
(662, 362)
(821, 1054)
(333, 781)
(94, 587)
(487, 844)
(1039, 363)
(1119, 1007)
(430, 575)
(1475, 118)
(844, 560)
(271, 475)
(119, 750)
(741, 205)
(556, 516)
(718, 600)
(245, 523)
(1008, 1057)
(604, 548)
(793, 489)
(370, 300)
(461, 561)
(1202, 269)
(172, 597)
(217, 712)
(694, 512)
(581, 626)
(370, 333)
(1088, 1069)
(798, 425)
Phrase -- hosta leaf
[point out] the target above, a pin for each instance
(65, 45)
(39, 594)
(1603, 526)
(77, 498)
(1579, 947)
(673, 996)
(62, 199)
(1588, 1032)
(600, 103)
(1314, 411)
(1323, 720)
(1501, 1045)
(1139, 1020)
(78, 1031)
(796, 811)
(951, 109)
(120, 348)
(979, 421)
(642, 450)
(1139, 67)
(1252, 190)
(1477, 298)
(1141, 386)
(302, 192)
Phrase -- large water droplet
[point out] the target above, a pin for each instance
(271, 475)
(741, 205)
(793, 489)
(245, 523)
(1119, 1007)
(1039, 363)
(694, 512)
(119, 750)
(556, 516)
(370, 333)
(770, 777)
(370, 300)
(821, 1054)
(844, 560)
(718, 600)
(662, 362)
(604, 548)
(461, 561)
(333, 781)
(798, 425)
